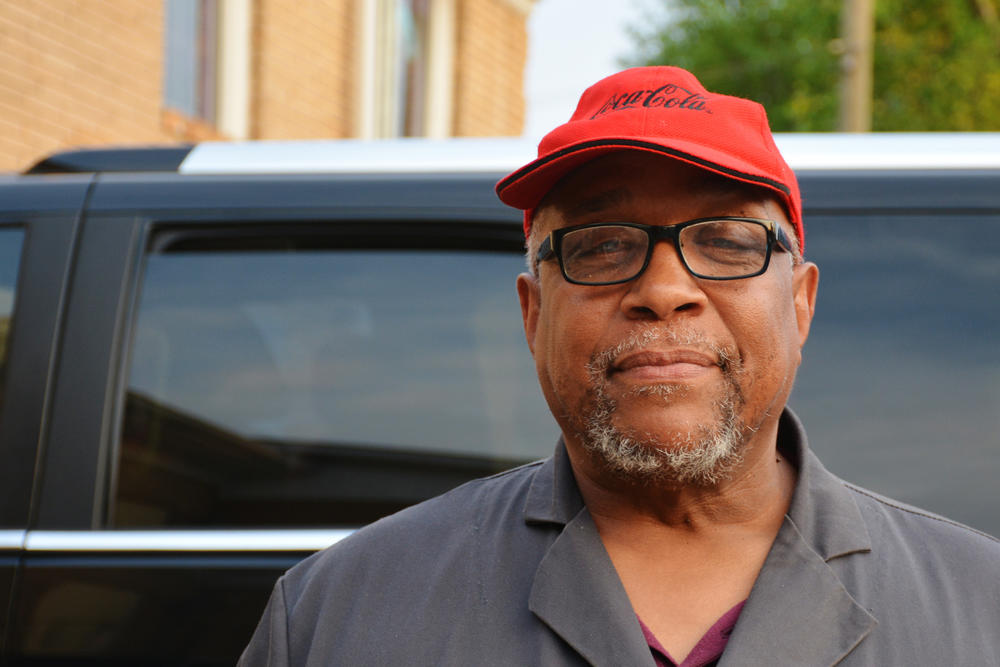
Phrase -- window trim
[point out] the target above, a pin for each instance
(201, 541)
(166, 236)
(379, 105)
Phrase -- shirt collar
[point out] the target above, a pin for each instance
(823, 510)
(554, 496)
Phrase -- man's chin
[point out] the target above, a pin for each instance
(665, 411)
(685, 458)
(678, 439)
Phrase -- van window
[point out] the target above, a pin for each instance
(321, 386)
(11, 241)
(899, 387)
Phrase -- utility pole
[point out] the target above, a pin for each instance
(857, 30)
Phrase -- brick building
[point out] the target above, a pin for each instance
(91, 72)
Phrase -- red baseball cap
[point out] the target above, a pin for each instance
(666, 111)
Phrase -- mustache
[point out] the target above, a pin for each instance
(726, 358)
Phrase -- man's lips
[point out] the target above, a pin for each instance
(662, 365)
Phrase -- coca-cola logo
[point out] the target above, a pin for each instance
(668, 96)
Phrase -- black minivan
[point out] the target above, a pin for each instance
(215, 360)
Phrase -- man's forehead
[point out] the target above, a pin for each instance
(596, 202)
(611, 182)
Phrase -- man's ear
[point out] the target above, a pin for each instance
(805, 280)
(530, 296)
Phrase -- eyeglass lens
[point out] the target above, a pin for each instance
(715, 249)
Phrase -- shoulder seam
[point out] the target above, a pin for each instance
(910, 510)
(511, 471)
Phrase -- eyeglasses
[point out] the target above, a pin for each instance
(608, 253)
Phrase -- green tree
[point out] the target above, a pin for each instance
(936, 62)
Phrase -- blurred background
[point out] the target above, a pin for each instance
(95, 72)
(208, 353)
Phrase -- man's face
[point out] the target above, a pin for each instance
(667, 361)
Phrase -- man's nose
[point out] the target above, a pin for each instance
(665, 288)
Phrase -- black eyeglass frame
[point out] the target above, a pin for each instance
(551, 246)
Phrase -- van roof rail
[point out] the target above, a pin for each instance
(803, 151)
(90, 160)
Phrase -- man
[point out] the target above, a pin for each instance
(682, 518)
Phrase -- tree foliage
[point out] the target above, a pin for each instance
(936, 63)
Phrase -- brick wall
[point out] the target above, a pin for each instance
(489, 68)
(90, 72)
(78, 72)
(305, 62)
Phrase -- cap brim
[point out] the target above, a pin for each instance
(526, 187)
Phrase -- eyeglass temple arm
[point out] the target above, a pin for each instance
(781, 237)
(545, 249)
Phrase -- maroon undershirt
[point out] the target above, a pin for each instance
(708, 649)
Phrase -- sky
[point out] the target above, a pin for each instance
(572, 44)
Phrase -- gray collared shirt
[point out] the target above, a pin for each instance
(510, 570)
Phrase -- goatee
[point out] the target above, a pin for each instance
(703, 456)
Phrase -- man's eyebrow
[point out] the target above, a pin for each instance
(598, 202)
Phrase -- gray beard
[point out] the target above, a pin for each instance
(703, 456)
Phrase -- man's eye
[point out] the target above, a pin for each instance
(732, 237)
(732, 243)
(602, 249)
(609, 246)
